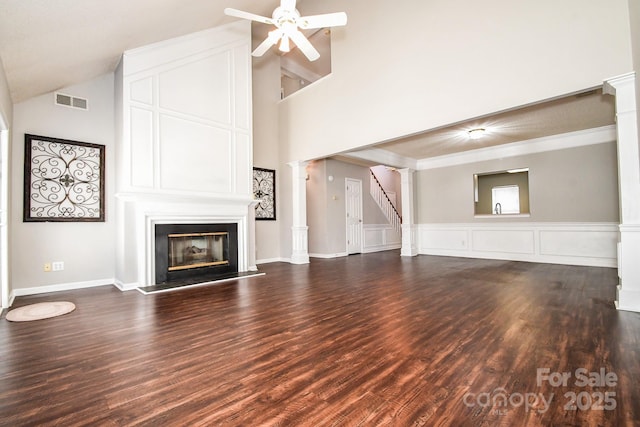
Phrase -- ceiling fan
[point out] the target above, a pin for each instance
(288, 23)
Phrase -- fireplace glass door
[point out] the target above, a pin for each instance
(195, 250)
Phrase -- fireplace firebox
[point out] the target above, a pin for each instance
(195, 251)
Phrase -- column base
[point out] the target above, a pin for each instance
(409, 246)
(628, 300)
(300, 259)
(300, 251)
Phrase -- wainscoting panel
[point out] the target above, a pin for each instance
(497, 240)
(591, 244)
(586, 243)
(380, 237)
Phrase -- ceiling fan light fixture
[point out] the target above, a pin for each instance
(288, 23)
(476, 133)
(284, 44)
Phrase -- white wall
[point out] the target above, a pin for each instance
(87, 249)
(185, 151)
(401, 70)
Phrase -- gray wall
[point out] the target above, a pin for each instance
(570, 185)
(326, 205)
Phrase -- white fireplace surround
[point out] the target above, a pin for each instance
(146, 211)
(152, 219)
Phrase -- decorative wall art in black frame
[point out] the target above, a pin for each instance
(63, 180)
(264, 190)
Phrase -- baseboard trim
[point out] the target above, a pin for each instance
(124, 287)
(272, 260)
(61, 287)
(382, 248)
(329, 256)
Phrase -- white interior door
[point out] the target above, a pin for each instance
(353, 199)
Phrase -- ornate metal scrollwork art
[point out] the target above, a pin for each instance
(63, 180)
(264, 190)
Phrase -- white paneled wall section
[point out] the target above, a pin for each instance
(184, 119)
(187, 115)
(591, 244)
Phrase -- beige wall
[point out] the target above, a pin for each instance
(570, 185)
(87, 249)
(266, 96)
(6, 105)
(401, 70)
(326, 209)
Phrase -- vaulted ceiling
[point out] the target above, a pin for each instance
(47, 45)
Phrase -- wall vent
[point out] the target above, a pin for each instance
(71, 101)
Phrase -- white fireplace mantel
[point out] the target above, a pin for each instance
(144, 212)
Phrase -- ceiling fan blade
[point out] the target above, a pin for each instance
(271, 39)
(288, 4)
(246, 15)
(304, 45)
(337, 19)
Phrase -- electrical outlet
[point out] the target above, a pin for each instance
(47, 267)
(57, 266)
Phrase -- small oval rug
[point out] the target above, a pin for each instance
(42, 310)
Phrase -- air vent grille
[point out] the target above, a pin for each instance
(71, 101)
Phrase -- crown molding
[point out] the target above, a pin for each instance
(383, 157)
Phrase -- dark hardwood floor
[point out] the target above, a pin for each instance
(367, 340)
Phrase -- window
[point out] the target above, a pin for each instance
(505, 199)
(502, 193)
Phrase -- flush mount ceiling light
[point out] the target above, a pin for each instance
(288, 23)
(476, 133)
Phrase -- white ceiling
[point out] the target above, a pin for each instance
(46, 45)
(572, 113)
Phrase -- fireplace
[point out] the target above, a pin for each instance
(195, 251)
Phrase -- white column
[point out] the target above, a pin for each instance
(299, 228)
(624, 89)
(409, 243)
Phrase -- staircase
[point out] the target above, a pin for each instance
(383, 201)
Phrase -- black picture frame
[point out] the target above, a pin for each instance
(264, 190)
(63, 180)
